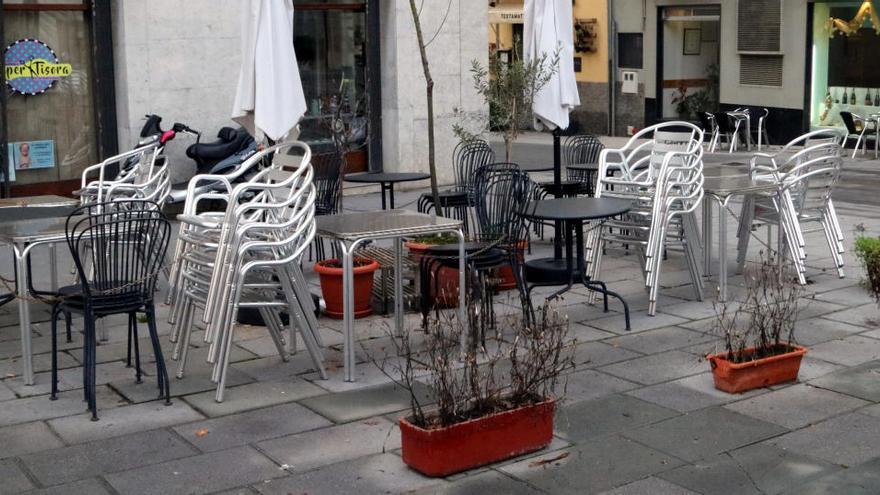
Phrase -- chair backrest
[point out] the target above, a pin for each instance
(582, 148)
(707, 122)
(503, 193)
(849, 120)
(118, 249)
(470, 157)
(328, 182)
(811, 183)
(722, 120)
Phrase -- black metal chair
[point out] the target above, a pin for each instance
(328, 169)
(118, 249)
(856, 128)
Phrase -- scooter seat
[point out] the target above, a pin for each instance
(230, 142)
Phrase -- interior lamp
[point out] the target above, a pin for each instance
(866, 12)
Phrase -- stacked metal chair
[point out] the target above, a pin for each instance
(249, 257)
(663, 177)
(805, 183)
(141, 173)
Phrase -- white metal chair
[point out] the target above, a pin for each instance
(857, 128)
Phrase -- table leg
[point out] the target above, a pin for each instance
(348, 309)
(24, 315)
(391, 195)
(53, 267)
(722, 253)
(398, 286)
(382, 189)
(707, 236)
(569, 262)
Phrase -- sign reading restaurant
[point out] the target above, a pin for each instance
(506, 16)
(32, 67)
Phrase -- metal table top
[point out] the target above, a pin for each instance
(38, 201)
(377, 177)
(584, 166)
(381, 224)
(723, 182)
(577, 208)
(32, 230)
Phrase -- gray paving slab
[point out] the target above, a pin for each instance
(702, 433)
(812, 368)
(639, 322)
(197, 379)
(861, 381)
(13, 478)
(847, 296)
(591, 468)
(484, 482)
(595, 354)
(581, 333)
(42, 362)
(589, 384)
(27, 438)
(811, 308)
(689, 394)
(204, 473)
(313, 449)
(814, 331)
(865, 315)
(690, 310)
(796, 406)
(123, 420)
(87, 460)
(756, 469)
(358, 404)
(848, 440)
(658, 368)
(273, 368)
(649, 486)
(384, 473)
(660, 340)
(850, 351)
(108, 352)
(253, 396)
(586, 420)
(6, 393)
(39, 408)
(250, 427)
(863, 479)
(71, 379)
(91, 486)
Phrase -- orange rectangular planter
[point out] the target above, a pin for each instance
(736, 378)
(481, 441)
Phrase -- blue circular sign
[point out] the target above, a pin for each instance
(32, 67)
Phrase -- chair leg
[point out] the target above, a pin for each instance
(67, 319)
(54, 394)
(162, 372)
(138, 371)
(90, 350)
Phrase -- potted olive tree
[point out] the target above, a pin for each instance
(760, 348)
(490, 402)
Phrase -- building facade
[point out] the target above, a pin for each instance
(180, 59)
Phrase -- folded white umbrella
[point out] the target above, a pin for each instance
(549, 30)
(269, 101)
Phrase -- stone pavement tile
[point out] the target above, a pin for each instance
(756, 469)
(27, 438)
(204, 473)
(703, 433)
(689, 394)
(586, 420)
(814, 368)
(847, 296)
(639, 321)
(42, 362)
(91, 486)
(796, 406)
(246, 490)
(250, 427)
(690, 310)
(657, 368)
(39, 408)
(850, 351)
(862, 381)
(358, 404)
(86, 460)
(592, 467)
(384, 473)
(662, 339)
(313, 449)
(485, 482)
(866, 316)
(108, 352)
(253, 396)
(874, 334)
(584, 333)
(584, 313)
(649, 486)
(589, 384)
(71, 379)
(857, 480)
(811, 308)
(705, 325)
(123, 420)
(6, 393)
(265, 347)
(273, 368)
(814, 331)
(366, 375)
(594, 354)
(197, 379)
(848, 440)
(12, 479)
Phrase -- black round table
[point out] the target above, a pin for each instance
(572, 212)
(536, 167)
(386, 181)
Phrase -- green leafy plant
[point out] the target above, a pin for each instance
(689, 105)
(868, 251)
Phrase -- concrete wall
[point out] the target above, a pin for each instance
(461, 39)
(178, 59)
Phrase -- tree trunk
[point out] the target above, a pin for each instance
(429, 90)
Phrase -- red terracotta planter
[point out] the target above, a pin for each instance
(505, 273)
(331, 286)
(481, 441)
(448, 278)
(735, 378)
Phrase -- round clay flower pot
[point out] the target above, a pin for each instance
(330, 273)
(446, 278)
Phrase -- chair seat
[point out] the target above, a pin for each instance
(71, 299)
(478, 254)
(449, 198)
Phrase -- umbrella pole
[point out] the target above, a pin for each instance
(557, 189)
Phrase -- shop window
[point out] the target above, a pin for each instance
(629, 50)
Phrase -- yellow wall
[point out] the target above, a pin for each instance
(594, 66)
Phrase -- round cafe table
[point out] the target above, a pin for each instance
(572, 213)
(386, 181)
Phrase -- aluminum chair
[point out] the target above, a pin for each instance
(665, 186)
(118, 169)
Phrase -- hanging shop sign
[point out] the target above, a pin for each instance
(32, 67)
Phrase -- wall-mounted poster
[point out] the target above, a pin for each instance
(32, 67)
(691, 42)
(26, 155)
